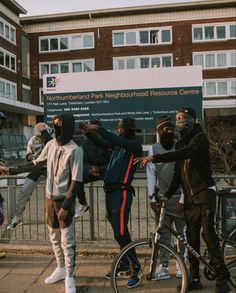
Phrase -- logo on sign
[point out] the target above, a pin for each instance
(52, 82)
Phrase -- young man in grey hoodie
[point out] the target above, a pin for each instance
(64, 160)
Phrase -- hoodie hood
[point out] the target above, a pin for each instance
(64, 126)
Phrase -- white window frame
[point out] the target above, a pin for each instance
(69, 42)
(215, 25)
(11, 27)
(137, 32)
(138, 60)
(70, 64)
(5, 52)
(12, 85)
(215, 53)
(229, 82)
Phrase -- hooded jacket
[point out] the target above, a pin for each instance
(193, 168)
(64, 159)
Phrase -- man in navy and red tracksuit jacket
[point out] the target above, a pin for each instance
(118, 178)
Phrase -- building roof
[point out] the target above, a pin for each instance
(14, 6)
(124, 11)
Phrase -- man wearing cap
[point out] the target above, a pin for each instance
(159, 176)
(117, 184)
(193, 171)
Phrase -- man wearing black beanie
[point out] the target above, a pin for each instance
(159, 177)
(193, 172)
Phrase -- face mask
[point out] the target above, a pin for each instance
(184, 127)
(167, 140)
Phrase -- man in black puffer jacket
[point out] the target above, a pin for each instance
(193, 171)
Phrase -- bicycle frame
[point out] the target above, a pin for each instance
(157, 235)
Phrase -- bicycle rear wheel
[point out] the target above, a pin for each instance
(139, 253)
(229, 253)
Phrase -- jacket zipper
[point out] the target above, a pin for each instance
(187, 181)
(57, 163)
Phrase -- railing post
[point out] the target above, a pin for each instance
(11, 198)
(91, 211)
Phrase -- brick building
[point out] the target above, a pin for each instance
(177, 34)
(15, 84)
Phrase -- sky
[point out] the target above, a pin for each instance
(40, 7)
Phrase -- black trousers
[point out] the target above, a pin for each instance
(201, 215)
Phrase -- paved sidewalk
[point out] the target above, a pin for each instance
(20, 273)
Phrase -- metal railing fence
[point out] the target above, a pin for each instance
(93, 226)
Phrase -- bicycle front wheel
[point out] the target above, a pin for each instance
(139, 254)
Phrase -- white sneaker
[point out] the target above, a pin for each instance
(80, 210)
(70, 285)
(162, 273)
(57, 275)
(14, 223)
(178, 271)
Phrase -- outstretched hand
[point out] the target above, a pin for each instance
(85, 127)
(4, 170)
(143, 161)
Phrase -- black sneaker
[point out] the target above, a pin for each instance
(222, 286)
(120, 274)
(193, 285)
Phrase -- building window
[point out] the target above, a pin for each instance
(142, 37)
(213, 60)
(7, 60)
(232, 31)
(8, 89)
(66, 43)
(66, 66)
(7, 31)
(219, 88)
(41, 97)
(135, 62)
(26, 94)
(213, 32)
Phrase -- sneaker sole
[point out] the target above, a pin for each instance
(136, 285)
(57, 280)
(161, 278)
(178, 275)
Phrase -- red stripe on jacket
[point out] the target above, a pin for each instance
(122, 209)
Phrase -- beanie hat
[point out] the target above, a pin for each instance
(163, 121)
(188, 111)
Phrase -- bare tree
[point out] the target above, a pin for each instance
(222, 138)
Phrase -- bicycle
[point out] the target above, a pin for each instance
(143, 253)
(228, 239)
